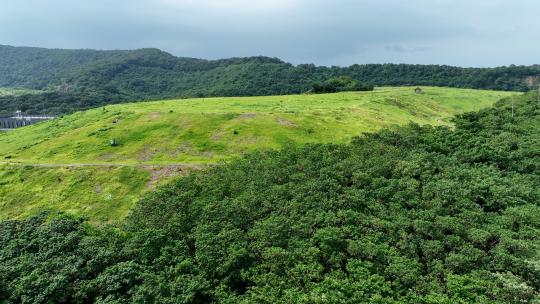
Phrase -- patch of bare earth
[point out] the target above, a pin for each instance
(154, 116)
(207, 154)
(217, 136)
(184, 148)
(98, 189)
(187, 149)
(161, 173)
(107, 156)
(247, 116)
(148, 153)
(285, 122)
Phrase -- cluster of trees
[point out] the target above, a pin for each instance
(418, 214)
(86, 78)
(339, 84)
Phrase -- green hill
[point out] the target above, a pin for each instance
(40, 68)
(209, 130)
(82, 79)
(158, 140)
(417, 214)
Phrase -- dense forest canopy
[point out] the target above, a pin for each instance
(339, 84)
(39, 68)
(81, 79)
(417, 214)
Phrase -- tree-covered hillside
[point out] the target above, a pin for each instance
(420, 214)
(81, 79)
(39, 68)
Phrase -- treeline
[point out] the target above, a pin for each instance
(81, 79)
(339, 84)
(39, 68)
(418, 214)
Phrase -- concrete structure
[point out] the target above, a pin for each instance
(19, 121)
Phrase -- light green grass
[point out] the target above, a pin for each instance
(209, 130)
(193, 131)
(103, 194)
(17, 91)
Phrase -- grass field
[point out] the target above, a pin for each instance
(15, 91)
(191, 132)
(95, 192)
(104, 194)
(208, 130)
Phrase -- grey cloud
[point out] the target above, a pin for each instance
(402, 49)
(339, 32)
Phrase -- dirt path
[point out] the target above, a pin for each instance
(145, 166)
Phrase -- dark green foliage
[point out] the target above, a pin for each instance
(82, 79)
(339, 84)
(413, 215)
(38, 68)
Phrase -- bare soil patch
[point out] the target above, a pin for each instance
(247, 116)
(285, 122)
(158, 174)
(154, 116)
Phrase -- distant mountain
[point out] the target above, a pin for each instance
(38, 68)
(80, 79)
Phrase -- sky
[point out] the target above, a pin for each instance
(477, 33)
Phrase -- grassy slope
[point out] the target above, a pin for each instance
(203, 130)
(194, 131)
(101, 193)
(16, 91)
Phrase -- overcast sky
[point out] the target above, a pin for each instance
(329, 32)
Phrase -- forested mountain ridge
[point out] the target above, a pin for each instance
(418, 214)
(39, 68)
(81, 79)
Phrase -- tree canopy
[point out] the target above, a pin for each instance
(417, 214)
(339, 84)
(81, 79)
